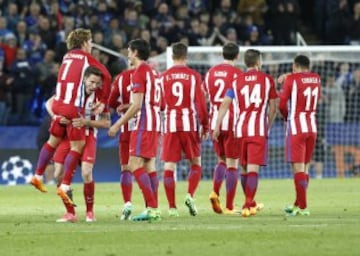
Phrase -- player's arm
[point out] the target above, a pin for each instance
(114, 94)
(48, 106)
(272, 111)
(284, 97)
(131, 112)
(224, 107)
(105, 91)
(201, 106)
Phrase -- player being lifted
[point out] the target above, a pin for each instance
(145, 104)
(120, 101)
(217, 80)
(184, 104)
(298, 106)
(255, 94)
(69, 103)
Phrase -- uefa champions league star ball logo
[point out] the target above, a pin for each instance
(16, 171)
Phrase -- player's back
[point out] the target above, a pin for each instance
(181, 86)
(145, 80)
(69, 87)
(253, 89)
(218, 79)
(303, 92)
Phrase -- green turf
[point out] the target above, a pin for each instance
(27, 224)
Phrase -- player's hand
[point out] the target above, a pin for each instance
(112, 131)
(61, 119)
(203, 133)
(79, 122)
(282, 77)
(122, 108)
(98, 108)
(215, 134)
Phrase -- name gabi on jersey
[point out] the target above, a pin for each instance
(220, 73)
(74, 56)
(177, 76)
(310, 80)
(250, 78)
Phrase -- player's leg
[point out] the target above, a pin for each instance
(150, 166)
(258, 148)
(77, 143)
(219, 173)
(126, 182)
(191, 146)
(89, 189)
(45, 156)
(232, 149)
(170, 187)
(143, 148)
(231, 184)
(218, 178)
(170, 154)
(59, 158)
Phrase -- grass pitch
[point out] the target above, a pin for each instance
(27, 223)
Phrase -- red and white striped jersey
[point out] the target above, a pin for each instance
(70, 89)
(120, 95)
(253, 90)
(298, 102)
(217, 81)
(145, 80)
(184, 99)
(90, 101)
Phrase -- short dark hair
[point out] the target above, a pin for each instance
(302, 61)
(92, 70)
(230, 51)
(179, 51)
(251, 57)
(142, 47)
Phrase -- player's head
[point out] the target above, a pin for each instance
(179, 51)
(138, 48)
(93, 78)
(230, 51)
(252, 58)
(79, 38)
(301, 63)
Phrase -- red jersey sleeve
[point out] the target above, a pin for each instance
(114, 94)
(272, 92)
(201, 103)
(284, 96)
(139, 80)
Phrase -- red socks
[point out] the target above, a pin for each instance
(71, 162)
(169, 185)
(250, 188)
(143, 180)
(89, 191)
(301, 183)
(194, 178)
(231, 184)
(45, 155)
(126, 185)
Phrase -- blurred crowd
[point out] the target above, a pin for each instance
(33, 33)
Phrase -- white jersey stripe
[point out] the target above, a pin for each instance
(293, 108)
(313, 122)
(240, 124)
(303, 124)
(251, 124)
(185, 119)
